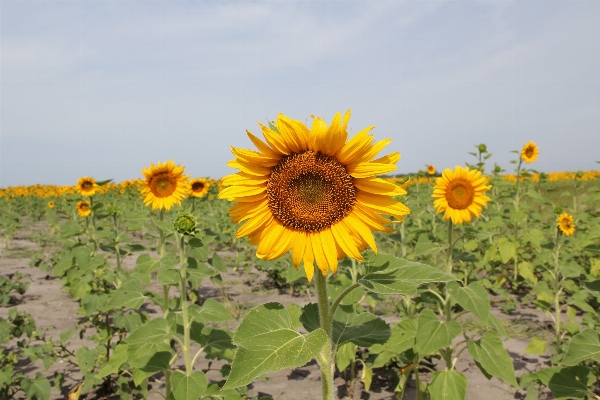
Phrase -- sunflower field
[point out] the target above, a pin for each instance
(311, 271)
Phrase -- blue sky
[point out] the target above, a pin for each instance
(104, 88)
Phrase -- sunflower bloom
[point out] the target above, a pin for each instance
(313, 192)
(50, 204)
(199, 187)
(566, 224)
(431, 170)
(84, 208)
(530, 152)
(165, 185)
(87, 186)
(459, 194)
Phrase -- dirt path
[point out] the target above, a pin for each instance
(54, 310)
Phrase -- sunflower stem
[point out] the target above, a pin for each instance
(447, 353)
(184, 308)
(324, 358)
(558, 289)
(165, 307)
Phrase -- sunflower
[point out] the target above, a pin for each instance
(313, 192)
(86, 186)
(566, 224)
(199, 187)
(83, 208)
(530, 152)
(51, 204)
(459, 194)
(431, 170)
(165, 185)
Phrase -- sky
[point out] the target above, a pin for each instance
(104, 88)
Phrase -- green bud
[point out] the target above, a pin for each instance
(186, 224)
(558, 210)
(482, 148)
(580, 174)
(112, 210)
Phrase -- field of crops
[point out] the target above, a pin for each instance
(414, 287)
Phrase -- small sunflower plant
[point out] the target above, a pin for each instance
(315, 192)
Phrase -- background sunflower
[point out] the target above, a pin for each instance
(566, 224)
(87, 186)
(165, 185)
(459, 194)
(84, 208)
(530, 152)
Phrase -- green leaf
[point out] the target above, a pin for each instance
(267, 341)
(536, 346)
(425, 246)
(473, 298)
(432, 334)
(117, 358)
(129, 295)
(386, 274)
(583, 346)
(169, 276)
(211, 310)
(166, 227)
(38, 388)
(448, 385)
(507, 250)
(364, 329)
(310, 317)
(571, 383)
(188, 387)
(492, 358)
(345, 355)
(218, 263)
(155, 331)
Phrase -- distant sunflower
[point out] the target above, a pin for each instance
(312, 192)
(459, 194)
(431, 170)
(566, 224)
(530, 152)
(165, 185)
(51, 204)
(86, 186)
(199, 187)
(84, 208)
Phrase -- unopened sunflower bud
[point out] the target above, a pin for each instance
(186, 224)
(482, 148)
(558, 210)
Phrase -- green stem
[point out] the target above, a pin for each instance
(184, 308)
(326, 355)
(447, 353)
(340, 298)
(165, 305)
(558, 289)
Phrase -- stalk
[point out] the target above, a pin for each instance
(184, 308)
(165, 306)
(516, 223)
(325, 357)
(558, 290)
(448, 303)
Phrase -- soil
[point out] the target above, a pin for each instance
(54, 310)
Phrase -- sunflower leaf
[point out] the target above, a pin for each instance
(387, 274)
(267, 341)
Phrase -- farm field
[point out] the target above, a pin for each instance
(104, 297)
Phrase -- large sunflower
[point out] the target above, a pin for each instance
(84, 208)
(199, 187)
(566, 224)
(86, 186)
(165, 185)
(312, 192)
(530, 152)
(459, 194)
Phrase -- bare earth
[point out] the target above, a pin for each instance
(54, 310)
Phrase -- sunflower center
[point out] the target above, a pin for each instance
(84, 207)
(460, 194)
(310, 191)
(197, 186)
(162, 185)
(529, 152)
(87, 185)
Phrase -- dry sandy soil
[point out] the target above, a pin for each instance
(54, 310)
